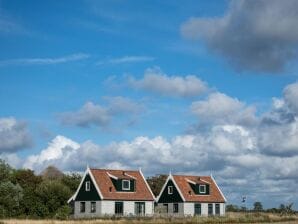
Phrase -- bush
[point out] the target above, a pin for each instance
(63, 212)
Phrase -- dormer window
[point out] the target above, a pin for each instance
(170, 189)
(125, 185)
(202, 189)
(87, 186)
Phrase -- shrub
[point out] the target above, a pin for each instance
(63, 212)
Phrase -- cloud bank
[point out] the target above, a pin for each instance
(257, 35)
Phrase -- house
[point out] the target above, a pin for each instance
(112, 192)
(191, 195)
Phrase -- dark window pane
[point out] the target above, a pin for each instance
(210, 209)
(175, 208)
(217, 209)
(82, 207)
(198, 209)
(93, 207)
(119, 208)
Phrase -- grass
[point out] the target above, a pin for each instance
(229, 218)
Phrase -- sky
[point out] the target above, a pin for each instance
(199, 87)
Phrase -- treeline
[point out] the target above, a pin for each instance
(25, 194)
(258, 207)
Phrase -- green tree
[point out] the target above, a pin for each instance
(53, 194)
(258, 206)
(72, 181)
(232, 208)
(156, 183)
(5, 171)
(10, 197)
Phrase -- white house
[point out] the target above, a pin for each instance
(112, 192)
(191, 195)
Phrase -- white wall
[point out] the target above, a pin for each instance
(87, 213)
(106, 208)
(187, 208)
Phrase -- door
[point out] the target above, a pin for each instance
(198, 209)
(119, 208)
(140, 208)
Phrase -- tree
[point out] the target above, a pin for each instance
(258, 206)
(53, 194)
(232, 208)
(72, 181)
(5, 171)
(10, 197)
(156, 183)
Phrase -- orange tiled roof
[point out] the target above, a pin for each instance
(104, 183)
(188, 193)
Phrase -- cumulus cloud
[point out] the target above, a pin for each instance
(237, 153)
(98, 115)
(14, 135)
(220, 108)
(255, 35)
(156, 81)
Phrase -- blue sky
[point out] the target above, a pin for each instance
(153, 79)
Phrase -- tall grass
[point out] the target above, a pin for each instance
(229, 218)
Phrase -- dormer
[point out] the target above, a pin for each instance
(123, 182)
(199, 186)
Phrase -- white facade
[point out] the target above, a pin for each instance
(107, 208)
(188, 208)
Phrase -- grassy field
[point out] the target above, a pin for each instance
(229, 218)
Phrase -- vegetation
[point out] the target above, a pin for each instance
(24, 194)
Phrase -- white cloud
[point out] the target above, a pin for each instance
(102, 116)
(156, 81)
(14, 135)
(126, 59)
(58, 149)
(291, 96)
(222, 109)
(45, 61)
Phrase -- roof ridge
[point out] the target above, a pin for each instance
(113, 170)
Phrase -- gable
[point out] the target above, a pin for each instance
(84, 195)
(118, 185)
(165, 197)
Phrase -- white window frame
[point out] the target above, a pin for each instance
(202, 192)
(170, 189)
(91, 207)
(125, 188)
(87, 186)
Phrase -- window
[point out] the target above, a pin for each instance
(93, 207)
(202, 189)
(170, 189)
(198, 209)
(175, 208)
(119, 208)
(82, 207)
(217, 209)
(87, 186)
(125, 185)
(210, 209)
(140, 208)
(166, 208)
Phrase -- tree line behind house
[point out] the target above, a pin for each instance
(26, 194)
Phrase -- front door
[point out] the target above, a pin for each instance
(140, 208)
(119, 208)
